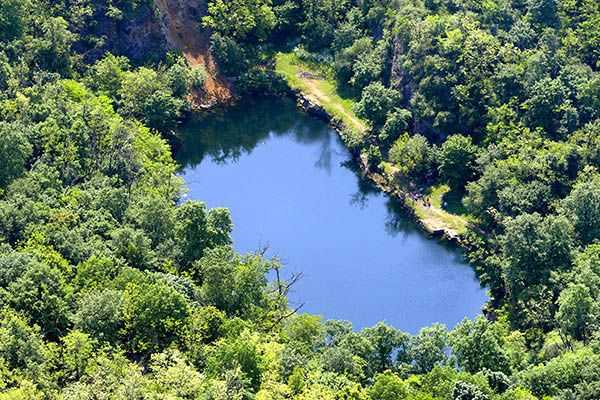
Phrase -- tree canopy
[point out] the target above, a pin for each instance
(114, 286)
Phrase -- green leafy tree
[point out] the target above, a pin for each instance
(467, 391)
(231, 55)
(99, 314)
(241, 20)
(340, 360)
(456, 160)
(220, 227)
(78, 351)
(543, 12)
(533, 247)
(232, 283)
(305, 331)
(154, 315)
(204, 326)
(182, 79)
(413, 156)
(42, 294)
(577, 312)
(173, 376)
(388, 386)
(376, 102)
(587, 268)
(549, 108)
(106, 75)
(155, 215)
(21, 345)
(387, 343)
(396, 123)
(320, 20)
(134, 247)
(96, 273)
(589, 37)
(112, 375)
(243, 352)
(428, 348)
(583, 205)
(52, 49)
(477, 345)
(565, 372)
(146, 95)
(360, 64)
(198, 229)
(12, 15)
(15, 151)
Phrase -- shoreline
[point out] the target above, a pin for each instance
(304, 103)
(307, 105)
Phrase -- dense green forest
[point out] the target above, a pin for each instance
(114, 287)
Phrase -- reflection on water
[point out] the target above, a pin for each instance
(289, 184)
(226, 136)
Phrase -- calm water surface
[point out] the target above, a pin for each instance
(287, 180)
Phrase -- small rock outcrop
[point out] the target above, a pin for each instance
(181, 24)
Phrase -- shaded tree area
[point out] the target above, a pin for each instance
(112, 286)
(498, 100)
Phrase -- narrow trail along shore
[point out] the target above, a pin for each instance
(323, 97)
(180, 21)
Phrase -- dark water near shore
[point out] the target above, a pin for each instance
(289, 185)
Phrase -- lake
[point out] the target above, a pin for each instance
(290, 186)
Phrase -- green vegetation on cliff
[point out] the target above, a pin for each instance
(113, 287)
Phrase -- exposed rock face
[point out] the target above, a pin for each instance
(142, 36)
(401, 81)
(152, 29)
(397, 75)
(136, 35)
(180, 24)
(314, 109)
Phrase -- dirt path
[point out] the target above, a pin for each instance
(433, 220)
(180, 20)
(321, 97)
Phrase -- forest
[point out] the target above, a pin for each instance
(114, 286)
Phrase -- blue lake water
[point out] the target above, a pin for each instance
(287, 180)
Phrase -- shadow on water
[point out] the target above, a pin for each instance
(226, 135)
(290, 182)
(398, 222)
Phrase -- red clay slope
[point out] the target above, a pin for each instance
(180, 21)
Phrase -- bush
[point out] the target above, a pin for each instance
(230, 55)
(376, 102)
(413, 156)
(457, 161)
(396, 123)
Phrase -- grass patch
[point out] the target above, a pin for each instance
(318, 84)
(446, 209)
(448, 200)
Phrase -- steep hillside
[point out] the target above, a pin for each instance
(180, 20)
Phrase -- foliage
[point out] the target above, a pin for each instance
(15, 151)
(241, 19)
(377, 102)
(478, 345)
(457, 161)
(582, 206)
(412, 155)
(112, 286)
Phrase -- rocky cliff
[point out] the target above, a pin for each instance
(180, 24)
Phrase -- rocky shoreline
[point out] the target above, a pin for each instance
(381, 182)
